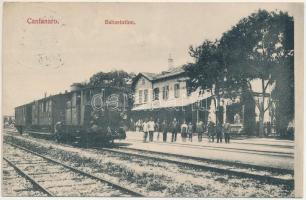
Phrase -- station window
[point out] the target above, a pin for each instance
(177, 90)
(188, 88)
(156, 94)
(165, 92)
(145, 93)
(140, 96)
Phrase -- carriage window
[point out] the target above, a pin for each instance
(44, 106)
(87, 96)
(68, 104)
(73, 100)
(78, 99)
(50, 106)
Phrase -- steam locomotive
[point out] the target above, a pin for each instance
(86, 115)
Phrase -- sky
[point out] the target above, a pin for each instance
(48, 58)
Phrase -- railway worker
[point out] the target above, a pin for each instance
(190, 131)
(227, 130)
(157, 128)
(211, 131)
(138, 124)
(219, 132)
(145, 130)
(141, 122)
(200, 130)
(184, 128)
(57, 130)
(132, 125)
(164, 128)
(151, 126)
(174, 127)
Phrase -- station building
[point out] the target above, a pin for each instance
(166, 96)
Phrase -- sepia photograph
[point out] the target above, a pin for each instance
(157, 99)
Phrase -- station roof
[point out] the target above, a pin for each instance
(160, 76)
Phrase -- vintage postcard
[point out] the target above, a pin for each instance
(133, 99)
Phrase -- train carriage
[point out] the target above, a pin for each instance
(86, 115)
(23, 117)
(41, 114)
(46, 112)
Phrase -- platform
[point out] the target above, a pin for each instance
(256, 151)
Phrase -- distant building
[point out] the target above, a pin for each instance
(8, 121)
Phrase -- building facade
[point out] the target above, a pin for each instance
(166, 96)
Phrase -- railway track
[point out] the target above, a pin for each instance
(15, 183)
(205, 160)
(269, 175)
(54, 178)
(261, 173)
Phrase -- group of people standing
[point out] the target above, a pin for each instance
(187, 129)
(220, 131)
(150, 126)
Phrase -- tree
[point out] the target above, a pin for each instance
(208, 71)
(258, 48)
(117, 78)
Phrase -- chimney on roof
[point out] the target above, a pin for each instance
(170, 62)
